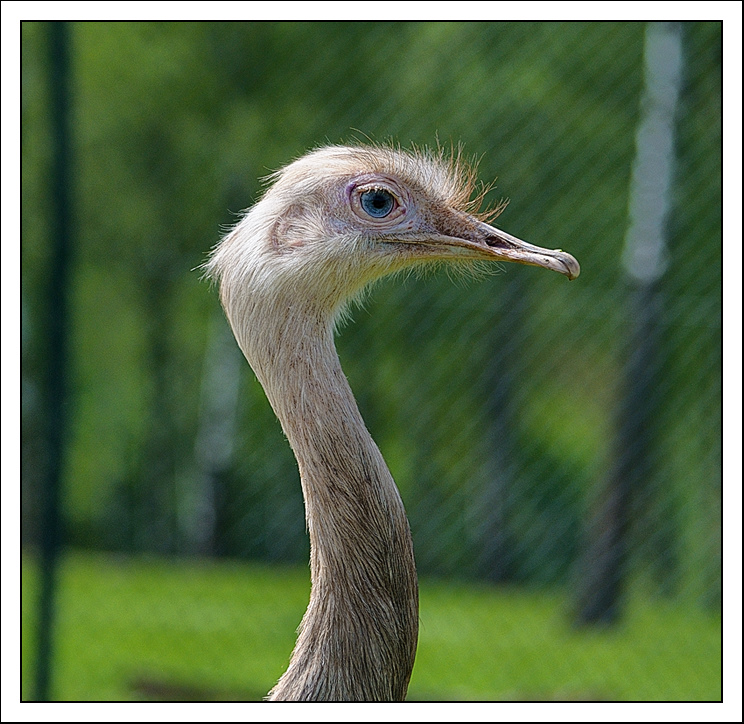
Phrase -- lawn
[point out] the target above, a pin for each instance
(152, 629)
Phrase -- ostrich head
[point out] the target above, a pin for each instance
(341, 217)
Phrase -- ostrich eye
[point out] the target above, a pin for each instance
(378, 203)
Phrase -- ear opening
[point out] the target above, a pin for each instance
(290, 230)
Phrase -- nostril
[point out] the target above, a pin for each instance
(498, 242)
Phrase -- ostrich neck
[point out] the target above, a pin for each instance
(357, 640)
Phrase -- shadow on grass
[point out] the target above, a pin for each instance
(147, 688)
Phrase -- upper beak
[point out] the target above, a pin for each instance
(506, 247)
(467, 236)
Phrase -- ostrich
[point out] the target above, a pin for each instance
(332, 222)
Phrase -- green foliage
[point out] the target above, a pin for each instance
(149, 628)
(494, 400)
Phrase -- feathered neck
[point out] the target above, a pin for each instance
(357, 640)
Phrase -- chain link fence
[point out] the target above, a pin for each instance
(547, 437)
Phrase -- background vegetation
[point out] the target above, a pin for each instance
(495, 401)
(134, 628)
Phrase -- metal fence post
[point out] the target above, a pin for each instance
(60, 189)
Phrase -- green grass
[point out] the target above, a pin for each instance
(146, 628)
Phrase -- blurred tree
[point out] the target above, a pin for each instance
(493, 390)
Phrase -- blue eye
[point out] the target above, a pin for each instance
(378, 203)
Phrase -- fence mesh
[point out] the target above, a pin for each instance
(545, 436)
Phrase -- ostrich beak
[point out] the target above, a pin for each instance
(460, 235)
